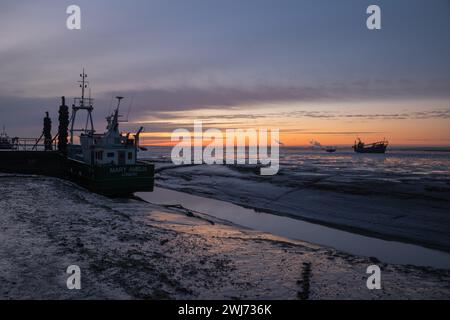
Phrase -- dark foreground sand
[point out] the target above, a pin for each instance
(129, 249)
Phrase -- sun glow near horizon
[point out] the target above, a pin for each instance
(331, 123)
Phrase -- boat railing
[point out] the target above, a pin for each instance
(83, 102)
(377, 143)
(30, 144)
(368, 145)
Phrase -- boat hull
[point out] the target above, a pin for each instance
(375, 149)
(112, 180)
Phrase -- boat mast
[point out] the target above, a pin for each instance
(82, 104)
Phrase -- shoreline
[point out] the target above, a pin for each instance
(400, 212)
(341, 227)
(392, 252)
(129, 249)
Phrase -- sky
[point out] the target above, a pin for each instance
(308, 67)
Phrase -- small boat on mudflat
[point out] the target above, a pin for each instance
(375, 147)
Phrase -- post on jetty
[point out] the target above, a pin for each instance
(47, 133)
(63, 129)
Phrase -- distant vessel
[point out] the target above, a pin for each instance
(375, 147)
(6, 143)
(330, 149)
(106, 163)
(317, 145)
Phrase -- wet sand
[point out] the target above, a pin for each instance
(386, 250)
(129, 249)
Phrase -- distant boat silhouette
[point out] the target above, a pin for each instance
(375, 147)
(316, 144)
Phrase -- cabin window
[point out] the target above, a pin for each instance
(130, 155)
(110, 155)
(99, 155)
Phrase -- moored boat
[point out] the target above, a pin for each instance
(106, 163)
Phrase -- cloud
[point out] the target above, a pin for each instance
(427, 114)
(316, 132)
(189, 98)
(239, 117)
(173, 56)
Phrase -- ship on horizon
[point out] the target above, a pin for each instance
(317, 145)
(330, 149)
(375, 147)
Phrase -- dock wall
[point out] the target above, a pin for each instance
(47, 163)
